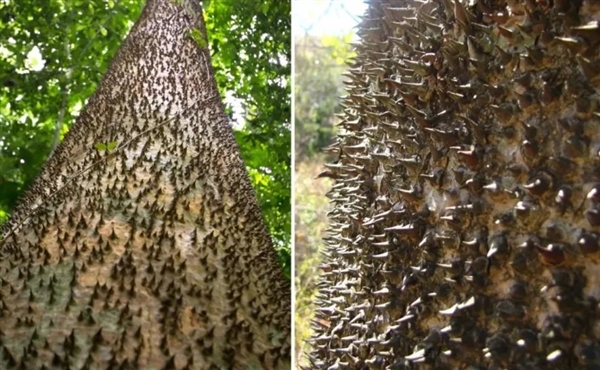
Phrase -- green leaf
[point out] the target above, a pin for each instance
(265, 7)
(106, 146)
(196, 34)
(111, 145)
(100, 146)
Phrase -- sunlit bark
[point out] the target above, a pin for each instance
(141, 244)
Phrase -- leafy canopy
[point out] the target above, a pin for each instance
(319, 64)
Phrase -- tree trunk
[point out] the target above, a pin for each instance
(141, 244)
(465, 222)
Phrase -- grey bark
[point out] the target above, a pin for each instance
(151, 254)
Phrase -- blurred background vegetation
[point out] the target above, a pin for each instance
(322, 44)
(53, 54)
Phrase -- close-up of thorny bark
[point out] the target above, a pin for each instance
(141, 244)
(464, 220)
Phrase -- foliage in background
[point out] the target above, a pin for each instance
(53, 54)
(319, 64)
(251, 48)
(311, 221)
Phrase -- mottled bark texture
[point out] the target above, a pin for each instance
(466, 209)
(151, 254)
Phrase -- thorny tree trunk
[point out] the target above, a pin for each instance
(151, 254)
(466, 211)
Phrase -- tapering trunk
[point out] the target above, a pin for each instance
(465, 222)
(141, 244)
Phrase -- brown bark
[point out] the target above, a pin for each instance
(151, 254)
(465, 222)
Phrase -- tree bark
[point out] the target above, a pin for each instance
(141, 244)
(466, 211)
